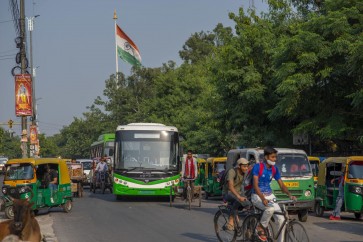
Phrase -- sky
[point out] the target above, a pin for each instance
(74, 47)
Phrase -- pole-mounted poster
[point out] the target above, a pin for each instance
(23, 95)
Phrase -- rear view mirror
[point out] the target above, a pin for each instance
(336, 173)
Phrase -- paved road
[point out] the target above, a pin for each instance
(98, 217)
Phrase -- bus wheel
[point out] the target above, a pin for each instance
(303, 215)
(319, 210)
(357, 215)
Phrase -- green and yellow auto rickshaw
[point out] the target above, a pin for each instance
(314, 163)
(201, 172)
(351, 168)
(214, 168)
(27, 179)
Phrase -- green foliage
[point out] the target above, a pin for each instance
(9, 146)
(295, 69)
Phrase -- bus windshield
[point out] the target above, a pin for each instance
(356, 169)
(19, 172)
(156, 150)
(292, 165)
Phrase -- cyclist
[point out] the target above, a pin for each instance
(232, 189)
(262, 192)
(189, 171)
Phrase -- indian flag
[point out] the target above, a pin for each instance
(126, 48)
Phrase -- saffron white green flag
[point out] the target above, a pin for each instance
(126, 48)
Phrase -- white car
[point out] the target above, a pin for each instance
(87, 166)
(3, 161)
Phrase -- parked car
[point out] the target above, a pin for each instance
(3, 161)
(87, 167)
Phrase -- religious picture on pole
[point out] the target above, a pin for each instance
(23, 95)
(33, 135)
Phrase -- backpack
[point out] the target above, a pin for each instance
(222, 180)
(248, 182)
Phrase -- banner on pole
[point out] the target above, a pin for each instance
(33, 135)
(23, 95)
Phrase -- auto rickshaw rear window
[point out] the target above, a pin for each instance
(19, 172)
(356, 170)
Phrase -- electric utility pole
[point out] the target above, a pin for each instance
(24, 132)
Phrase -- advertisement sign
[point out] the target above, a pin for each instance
(23, 95)
(33, 134)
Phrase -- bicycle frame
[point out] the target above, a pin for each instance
(284, 213)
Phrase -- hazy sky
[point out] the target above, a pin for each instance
(74, 47)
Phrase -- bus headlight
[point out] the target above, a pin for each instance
(307, 193)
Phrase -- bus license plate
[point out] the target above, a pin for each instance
(291, 184)
(146, 192)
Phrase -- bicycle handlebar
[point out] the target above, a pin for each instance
(286, 201)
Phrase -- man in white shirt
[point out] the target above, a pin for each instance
(101, 166)
(189, 171)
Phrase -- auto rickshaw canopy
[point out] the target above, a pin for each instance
(334, 160)
(62, 164)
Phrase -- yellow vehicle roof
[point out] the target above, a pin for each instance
(201, 160)
(63, 169)
(313, 158)
(216, 159)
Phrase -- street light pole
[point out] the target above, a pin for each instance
(32, 70)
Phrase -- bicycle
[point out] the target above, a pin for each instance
(189, 191)
(221, 219)
(295, 231)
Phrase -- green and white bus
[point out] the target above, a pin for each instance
(104, 146)
(146, 160)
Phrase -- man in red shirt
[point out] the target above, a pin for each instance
(189, 171)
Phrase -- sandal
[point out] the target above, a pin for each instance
(229, 227)
(260, 231)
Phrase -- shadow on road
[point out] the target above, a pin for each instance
(350, 228)
(201, 237)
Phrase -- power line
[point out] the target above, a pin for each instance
(6, 21)
(7, 58)
(7, 55)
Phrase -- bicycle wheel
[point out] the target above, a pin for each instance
(220, 223)
(189, 197)
(295, 232)
(249, 229)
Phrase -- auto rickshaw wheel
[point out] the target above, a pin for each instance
(319, 210)
(67, 206)
(9, 212)
(358, 215)
(303, 215)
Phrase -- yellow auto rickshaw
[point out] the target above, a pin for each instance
(314, 163)
(30, 179)
(351, 170)
(214, 167)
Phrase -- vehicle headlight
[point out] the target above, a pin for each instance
(22, 190)
(4, 190)
(307, 193)
(356, 189)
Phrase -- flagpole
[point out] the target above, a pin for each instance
(115, 18)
